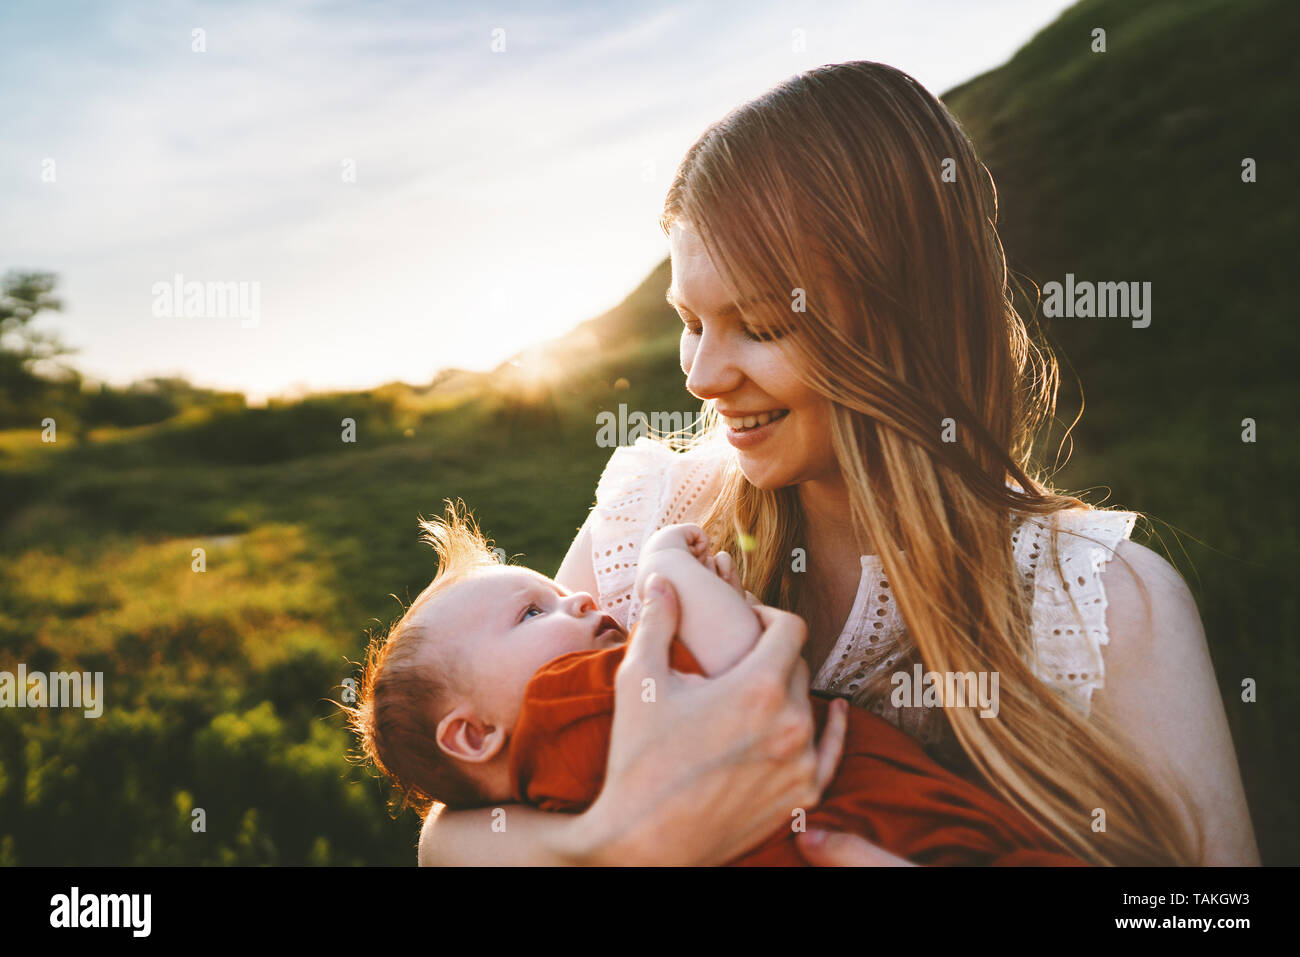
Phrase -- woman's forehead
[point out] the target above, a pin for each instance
(690, 259)
(697, 286)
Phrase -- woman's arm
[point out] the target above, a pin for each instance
(531, 838)
(576, 571)
(698, 774)
(1161, 690)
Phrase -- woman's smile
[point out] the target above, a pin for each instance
(747, 430)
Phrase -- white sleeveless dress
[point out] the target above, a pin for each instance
(646, 486)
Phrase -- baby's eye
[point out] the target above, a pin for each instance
(531, 607)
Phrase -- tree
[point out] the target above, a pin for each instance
(23, 295)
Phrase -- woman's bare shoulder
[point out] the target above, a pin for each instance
(1151, 615)
(1138, 568)
(1162, 692)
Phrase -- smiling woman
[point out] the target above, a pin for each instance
(820, 211)
(725, 356)
(880, 356)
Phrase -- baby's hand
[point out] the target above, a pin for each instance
(686, 536)
(697, 542)
(694, 539)
(725, 568)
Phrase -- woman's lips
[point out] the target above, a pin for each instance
(748, 438)
(748, 420)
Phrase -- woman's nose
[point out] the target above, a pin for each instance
(710, 370)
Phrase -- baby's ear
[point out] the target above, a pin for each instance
(464, 736)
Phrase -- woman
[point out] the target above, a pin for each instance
(848, 325)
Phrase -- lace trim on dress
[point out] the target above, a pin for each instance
(1069, 599)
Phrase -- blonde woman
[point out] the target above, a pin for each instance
(870, 399)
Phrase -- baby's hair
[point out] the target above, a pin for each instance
(401, 698)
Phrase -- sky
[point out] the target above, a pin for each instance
(394, 187)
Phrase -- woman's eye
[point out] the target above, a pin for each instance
(694, 329)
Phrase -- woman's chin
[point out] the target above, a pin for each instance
(758, 474)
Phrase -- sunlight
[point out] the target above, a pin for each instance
(530, 375)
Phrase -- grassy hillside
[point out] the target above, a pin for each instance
(1117, 166)
(216, 681)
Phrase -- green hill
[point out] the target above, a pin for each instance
(1127, 165)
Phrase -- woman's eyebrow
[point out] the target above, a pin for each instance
(729, 311)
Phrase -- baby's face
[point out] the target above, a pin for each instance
(505, 623)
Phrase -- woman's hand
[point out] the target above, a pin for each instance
(702, 770)
(839, 849)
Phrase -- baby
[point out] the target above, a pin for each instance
(497, 686)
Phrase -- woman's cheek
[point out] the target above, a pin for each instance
(774, 371)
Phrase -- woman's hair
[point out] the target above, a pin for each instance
(851, 203)
(405, 689)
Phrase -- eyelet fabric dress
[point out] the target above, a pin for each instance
(647, 485)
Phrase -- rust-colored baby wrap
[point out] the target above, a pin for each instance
(886, 788)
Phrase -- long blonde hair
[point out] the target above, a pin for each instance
(853, 186)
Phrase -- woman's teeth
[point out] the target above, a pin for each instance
(754, 421)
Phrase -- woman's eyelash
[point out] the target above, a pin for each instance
(694, 330)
